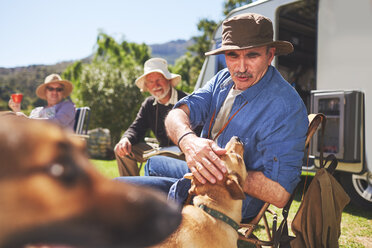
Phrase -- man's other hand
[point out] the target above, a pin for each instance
(123, 148)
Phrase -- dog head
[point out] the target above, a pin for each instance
(236, 172)
(51, 193)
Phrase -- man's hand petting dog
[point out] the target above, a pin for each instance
(51, 194)
(203, 158)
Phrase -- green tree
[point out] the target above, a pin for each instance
(115, 54)
(184, 67)
(193, 61)
(107, 86)
(111, 94)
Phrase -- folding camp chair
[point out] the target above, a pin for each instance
(81, 125)
(275, 236)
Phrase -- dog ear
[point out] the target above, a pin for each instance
(192, 190)
(78, 142)
(193, 186)
(234, 188)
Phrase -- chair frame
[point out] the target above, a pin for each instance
(82, 118)
(274, 235)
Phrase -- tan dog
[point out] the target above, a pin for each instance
(201, 229)
(50, 193)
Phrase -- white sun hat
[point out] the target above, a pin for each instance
(157, 65)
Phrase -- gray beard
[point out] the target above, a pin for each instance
(158, 98)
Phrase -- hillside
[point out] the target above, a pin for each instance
(26, 79)
(171, 50)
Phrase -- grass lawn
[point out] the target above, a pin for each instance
(356, 224)
(108, 167)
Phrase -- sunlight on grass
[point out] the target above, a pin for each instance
(106, 167)
(356, 225)
(109, 168)
(356, 231)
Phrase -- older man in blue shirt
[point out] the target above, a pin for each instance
(249, 99)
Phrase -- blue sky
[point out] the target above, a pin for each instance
(51, 31)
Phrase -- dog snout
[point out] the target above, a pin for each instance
(162, 217)
(236, 139)
(145, 217)
(165, 218)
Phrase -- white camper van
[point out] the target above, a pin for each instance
(330, 68)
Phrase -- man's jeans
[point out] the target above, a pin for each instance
(165, 174)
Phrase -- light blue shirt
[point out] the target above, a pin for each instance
(63, 113)
(272, 126)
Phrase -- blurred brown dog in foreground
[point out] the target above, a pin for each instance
(213, 219)
(51, 194)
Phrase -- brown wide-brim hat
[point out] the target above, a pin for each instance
(249, 30)
(54, 78)
(157, 65)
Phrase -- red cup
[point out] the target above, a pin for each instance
(17, 97)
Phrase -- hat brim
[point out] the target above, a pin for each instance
(67, 89)
(174, 78)
(282, 48)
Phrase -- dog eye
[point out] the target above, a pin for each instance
(239, 158)
(56, 170)
(65, 173)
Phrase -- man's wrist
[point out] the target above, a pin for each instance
(183, 136)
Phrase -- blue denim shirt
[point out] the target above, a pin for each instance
(272, 126)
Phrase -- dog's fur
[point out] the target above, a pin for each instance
(198, 228)
(51, 194)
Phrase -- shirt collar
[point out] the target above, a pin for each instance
(172, 100)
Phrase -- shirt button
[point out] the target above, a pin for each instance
(275, 159)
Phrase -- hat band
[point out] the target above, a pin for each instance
(250, 43)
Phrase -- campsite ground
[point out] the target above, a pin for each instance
(356, 224)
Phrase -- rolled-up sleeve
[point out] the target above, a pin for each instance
(282, 145)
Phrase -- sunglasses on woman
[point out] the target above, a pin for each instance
(54, 89)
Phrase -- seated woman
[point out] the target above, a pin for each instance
(59, 110)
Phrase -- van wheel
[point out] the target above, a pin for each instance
(359, 189)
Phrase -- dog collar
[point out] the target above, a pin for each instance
(220, 216)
